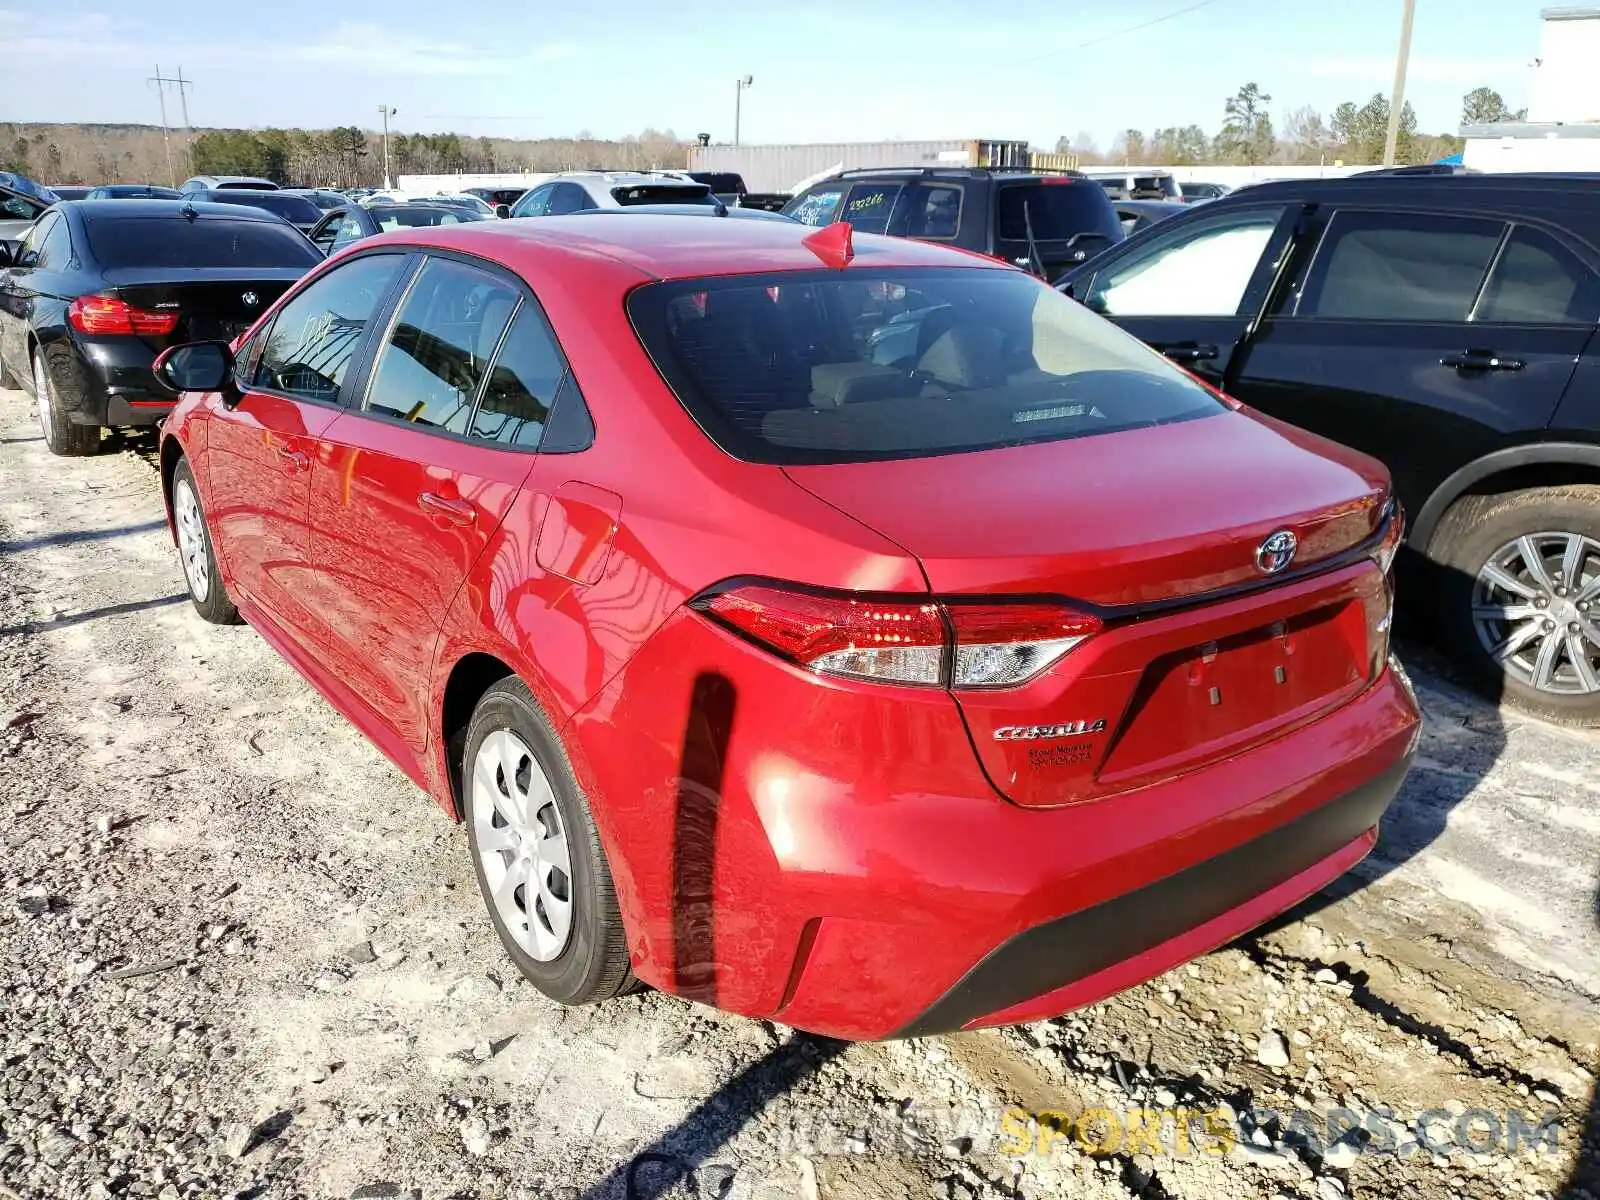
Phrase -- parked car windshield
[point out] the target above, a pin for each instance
(177, 242)
(862, 365)
(1058, 210)
(288, 206)
(402, 216)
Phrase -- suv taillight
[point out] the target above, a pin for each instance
(107, 314)
(921, 641)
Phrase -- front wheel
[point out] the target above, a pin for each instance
(537, 854)
(199, 558)
(1521, 601)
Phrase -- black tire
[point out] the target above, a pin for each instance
(214, 605)
(1470, 535)
(57, 373)
(593, 964)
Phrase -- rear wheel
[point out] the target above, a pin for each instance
(1521, 597)
(200, 569)
(537, 854)
(53, 367)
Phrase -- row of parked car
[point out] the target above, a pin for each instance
(1445, 324)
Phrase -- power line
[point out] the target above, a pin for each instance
(1118, 33)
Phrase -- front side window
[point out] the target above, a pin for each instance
(522, 384)
(816, 207)
(535, 203)
(1200, 270)
(1538, 281)
(315, 336)
(830, 366)
(445, 333)
(869, 206)
(1399, 266)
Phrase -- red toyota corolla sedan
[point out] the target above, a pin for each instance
(860, 635)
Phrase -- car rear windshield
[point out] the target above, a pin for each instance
(291, 208)
(1058, 211)
(663, 193)
(862, 365)
(724, 182)
(176, 241)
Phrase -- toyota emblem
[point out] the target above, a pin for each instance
(1277, 552)
(250, 299)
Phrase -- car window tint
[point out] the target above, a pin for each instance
(1058, 210)
(18, 208)
(209, 241)
(816, 208)
(875, 363)
(568, 198)
(1380, 266)
(443, 337)
(535, 203)
(926, 211)
(522, 385)
(56, 249)
(1539, 281)
(33, 239)
(869, 206)
(315, 336)
(1199, 270)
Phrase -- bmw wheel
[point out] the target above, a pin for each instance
(196, 553)
(61, 434)
(1523, 597)
(537, 854)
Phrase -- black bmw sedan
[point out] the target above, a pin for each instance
(97, 288)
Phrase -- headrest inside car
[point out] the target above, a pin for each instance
(965, 357)
(833, 385)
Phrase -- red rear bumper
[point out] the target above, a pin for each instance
(826, 855)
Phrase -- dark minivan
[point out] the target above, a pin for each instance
(1046, 224)
(1445, 325)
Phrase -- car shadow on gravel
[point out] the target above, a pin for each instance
(1464, 736)
(80, 535)
(92, 614)
(1585, 1181)
(676, 1156)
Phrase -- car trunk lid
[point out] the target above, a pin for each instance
(216, 304)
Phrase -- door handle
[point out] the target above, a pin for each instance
(1481, 360)
(292, 459)
(457, 512)
(1189, 352)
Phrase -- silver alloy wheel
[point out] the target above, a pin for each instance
(41, 392)
(1536, 610)
(522, 845)
(192, 540)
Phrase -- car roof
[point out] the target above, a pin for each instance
(1431, 186)
(669, 247)
(688, 210)
(178, 210)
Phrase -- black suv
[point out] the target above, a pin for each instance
(1045, 223)
(1446, 325)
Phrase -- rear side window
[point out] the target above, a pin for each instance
(204, 242)
(315, 335)
(860, 365)
(1387, 266)
(522, 385)
(439, 347)
(1538, 281)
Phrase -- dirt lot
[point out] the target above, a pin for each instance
(240, 955)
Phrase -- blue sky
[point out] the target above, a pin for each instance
(825, 70)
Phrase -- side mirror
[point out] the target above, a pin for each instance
(8, 252)
(196, 367)
(502, 211)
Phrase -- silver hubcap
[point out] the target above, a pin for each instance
(41, 390)
(1536, 609)
(522, 845)
(192, 541)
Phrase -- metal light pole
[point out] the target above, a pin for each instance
(387, 111)
(740, 84)
(1397, 102)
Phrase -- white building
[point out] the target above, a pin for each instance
(1562, 132)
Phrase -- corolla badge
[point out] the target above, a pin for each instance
(1277, 552)
(1035, 733)
(250, 299)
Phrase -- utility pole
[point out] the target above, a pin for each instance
(1397, 102)
(387, 111)
(740, 84)
(161, 81)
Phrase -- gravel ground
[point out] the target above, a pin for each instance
(241, 956)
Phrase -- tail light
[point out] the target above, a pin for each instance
(107, 314)
(1392, 521)
(918, 641)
